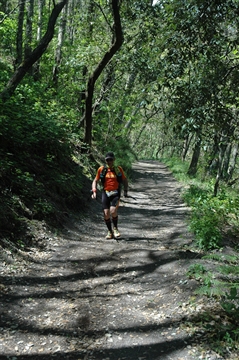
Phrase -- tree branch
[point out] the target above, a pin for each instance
(118, 41)
(35, 55)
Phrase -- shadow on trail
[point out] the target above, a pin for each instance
(124, 275)
(161, 351)
(75, 332)
(89, 267)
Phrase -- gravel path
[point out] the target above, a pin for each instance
(85, 297)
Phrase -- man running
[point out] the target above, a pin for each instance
(111, 178)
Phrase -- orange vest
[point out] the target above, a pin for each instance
(110, 182)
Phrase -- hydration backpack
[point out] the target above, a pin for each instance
(118, 174)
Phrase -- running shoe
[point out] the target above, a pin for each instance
(109, 235)
(116, 233)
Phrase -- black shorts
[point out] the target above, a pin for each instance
(108, 201)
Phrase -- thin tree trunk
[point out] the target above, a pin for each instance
(186, 145)
(81, 97)
(234, 154)
(70, 23)
(95, 75)
(226, 161)
(36, 66)
(140, 133)
(5, 6)
(35, 55)
(90, 18)
(147, 118)
(128, 89)
(219, 172)
(41, 4)
(18, 60)
(129, 123)
(58, 53)
(105, 89)
(28, 41)
(88, 8)
(196, 154)
(222, 149)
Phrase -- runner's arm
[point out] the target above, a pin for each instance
(94, 188)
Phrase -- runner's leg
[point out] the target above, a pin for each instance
(114, 207)
(106, 210)
(114, 214)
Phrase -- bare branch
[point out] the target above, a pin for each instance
(35, 55)
(7, 15)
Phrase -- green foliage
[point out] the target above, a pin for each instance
(222, 284)
(179, 168)
(230, 302)
(177, 71)
(123, 153)
(231, 259)
(209, 285)
(196, 271)
(207, 227)
(221, 332)
(7, 32)
(4, 72)
(38, 179)
(210, 215)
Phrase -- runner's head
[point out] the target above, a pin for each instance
(109, 158)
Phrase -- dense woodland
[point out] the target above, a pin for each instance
(146, 79)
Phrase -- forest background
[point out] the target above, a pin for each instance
(145, 79)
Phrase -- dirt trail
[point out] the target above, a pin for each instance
(89, 298)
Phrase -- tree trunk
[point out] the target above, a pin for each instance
(58, 53)
(234, 154)
(219, 171)
(129, 123)
(18, 60)
(88, 8)
(28, 41)
(70, 29)
(35, 55)
(36, 66)
(226, 161)
(5, 6)
(90, 18)
(128, 89)
(41, 4)
(93, 78)
(108, 83)
(81, 97)
(186, 145)
(196, 154)
(212, 165)
(140, 133)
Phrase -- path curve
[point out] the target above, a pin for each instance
(93, 299)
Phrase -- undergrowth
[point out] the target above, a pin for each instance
(210, 215)
(38, 178)
(221, 284)
(213, 220)
(45, 169)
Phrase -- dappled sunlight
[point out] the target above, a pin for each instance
(91, 298)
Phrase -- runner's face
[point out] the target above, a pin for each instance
(110, 162)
